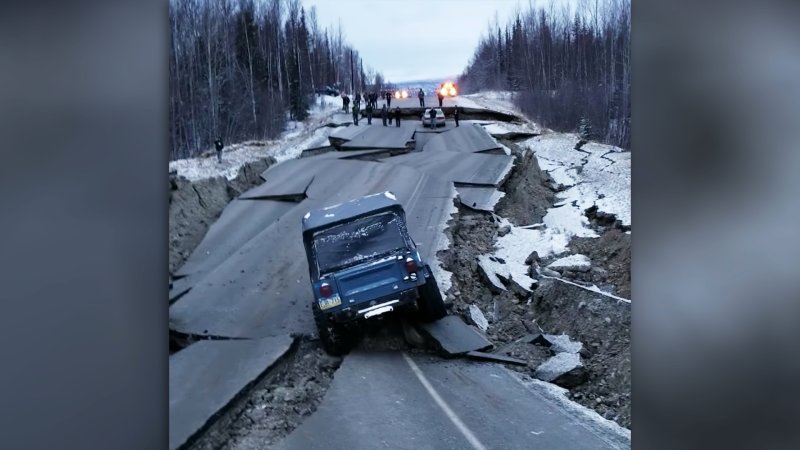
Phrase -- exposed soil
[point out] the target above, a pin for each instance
(611, 261)
(277, 404)
(292, 391)
(527, 190)
(194, 206)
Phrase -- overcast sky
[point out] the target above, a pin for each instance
(413, 39)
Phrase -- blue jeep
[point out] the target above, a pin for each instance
(362, 264)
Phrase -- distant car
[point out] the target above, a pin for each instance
(401, 93)
(327, 90)
(362, 264)
(448, 89)
(438, 120)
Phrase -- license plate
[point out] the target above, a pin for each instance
(327, 303)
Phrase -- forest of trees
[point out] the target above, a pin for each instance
(239, 69)
(565, 67)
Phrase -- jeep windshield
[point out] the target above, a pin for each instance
(358, 241)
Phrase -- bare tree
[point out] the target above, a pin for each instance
(565, 66)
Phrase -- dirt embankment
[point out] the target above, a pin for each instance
(194, 206)
(600, 323)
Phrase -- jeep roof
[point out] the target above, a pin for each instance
(343, 212)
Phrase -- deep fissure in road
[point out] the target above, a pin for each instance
(515, 316)
(291, 391)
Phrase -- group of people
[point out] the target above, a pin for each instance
(371, 103)
(370, 100)
(386, 114)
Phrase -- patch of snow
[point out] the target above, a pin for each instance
(297, 137)
(478, 318)
(571, 262)
(598, 174)
(515, 246)
(558, 395)
(561, 343)
(501, 129)
(443, 277)
(568, 220)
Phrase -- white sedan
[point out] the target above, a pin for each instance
(438, 119)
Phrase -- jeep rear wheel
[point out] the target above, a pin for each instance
(430, 302)
(333, 339)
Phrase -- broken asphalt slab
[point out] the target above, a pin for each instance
(206, 376)
(563, 369)
(455, 337)
(469, 138)
(378, 136)
(493, 357)
(479, 198)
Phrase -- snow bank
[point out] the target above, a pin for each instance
(597, 174)
(297, 137)
(500, 129)
(571, 262)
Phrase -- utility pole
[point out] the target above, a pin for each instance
(361, 74)
(352, 75)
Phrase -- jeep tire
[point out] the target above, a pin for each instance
(430, 302)
(333, 338)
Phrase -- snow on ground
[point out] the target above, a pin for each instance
(502, 129)
(297, 137)
(597, 174)
(571, 262)
(442, 276)
(558, 395)
(502, 101)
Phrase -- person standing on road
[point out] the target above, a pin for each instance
(432, 115)
(389, 99)
(369, 113)
(397, 115)
(383, 114)
(346, 103)
(218, 144)
(355, 114)
(455, 115)
(421, 95)
(441, 98)
(357, 100)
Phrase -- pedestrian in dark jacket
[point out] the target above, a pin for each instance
(432, 115)
(441, 98)
(421, 95)
(389, 99)
(455, 115)
(355, 114)
(369, 113)
(218, 144)
(346, 103)
(383, 114)
(397, 115)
